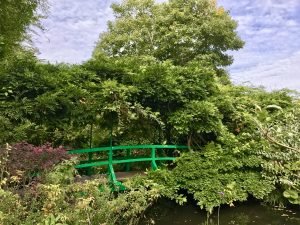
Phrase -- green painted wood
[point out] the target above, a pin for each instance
(165, 158)
(128, 155)
(131, 160)
(104, 163)
(121, 147)
(112, 173)
(90, 159)
(110, 155)
(142, 160)
(124, 147)
(90, 156)
(117, 185)
(153, 163)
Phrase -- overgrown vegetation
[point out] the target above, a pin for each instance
(255, 154)
(57, 198)
(154, 78)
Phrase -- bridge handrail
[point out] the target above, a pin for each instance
(117, 185)
(125, 147)
(106, 162)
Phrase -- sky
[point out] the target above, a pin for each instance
(270, 28)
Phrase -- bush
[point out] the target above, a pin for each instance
(58, 199)
(25, 161)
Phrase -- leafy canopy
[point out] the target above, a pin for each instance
(177, 30)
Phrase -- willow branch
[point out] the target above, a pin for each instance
(271, 139)
(278, 143)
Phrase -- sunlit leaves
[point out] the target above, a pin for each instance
(179, 31)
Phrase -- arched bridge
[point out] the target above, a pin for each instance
(129, 158)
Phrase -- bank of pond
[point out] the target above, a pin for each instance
(167, 212)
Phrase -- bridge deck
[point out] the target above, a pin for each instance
(122, 176)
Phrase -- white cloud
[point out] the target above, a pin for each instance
(282, 73)
(72, 28)
(271, 29)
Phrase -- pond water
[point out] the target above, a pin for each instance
(167, 212)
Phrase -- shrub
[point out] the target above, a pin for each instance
(58, 199)
(25, 161)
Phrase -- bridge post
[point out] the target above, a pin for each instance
(90, 170)
(110, 158)
(110, 155)
(153, 163)
(115, 184)
(128, 154)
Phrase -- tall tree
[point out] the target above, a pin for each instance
(174, 52)
(177, 30)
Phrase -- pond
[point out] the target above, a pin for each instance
(167, 212)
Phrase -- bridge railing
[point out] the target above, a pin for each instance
(128, 159)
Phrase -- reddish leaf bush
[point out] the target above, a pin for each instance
(26, 160)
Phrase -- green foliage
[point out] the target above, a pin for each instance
(179, 31)
(144, 90)
(10, 202)
(172, 53)
(59, 199)
(197, 117)
(14, 22)
(217, 177)
(62, 173)
(255, 151)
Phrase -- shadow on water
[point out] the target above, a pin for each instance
(167, 212)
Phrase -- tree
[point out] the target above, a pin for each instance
(15, 18)
(178, 30)
(174, 53)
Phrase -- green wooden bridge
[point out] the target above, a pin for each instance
(129, 158)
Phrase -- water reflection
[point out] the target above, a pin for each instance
(169, 213)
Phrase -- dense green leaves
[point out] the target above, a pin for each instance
(197, 117)
(61, 198)
(180, 31)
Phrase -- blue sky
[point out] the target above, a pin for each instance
(270, 28)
